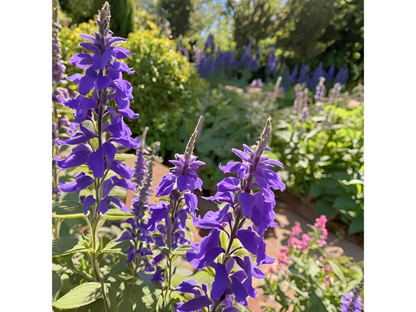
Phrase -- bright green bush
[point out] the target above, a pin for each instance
(167, 89)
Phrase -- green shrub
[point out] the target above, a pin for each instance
(323, 160)
(228, 123)
(167, 90)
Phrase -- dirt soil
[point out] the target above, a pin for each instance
(287, 213)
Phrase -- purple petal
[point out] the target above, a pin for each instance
(121, 53)
(220, 283)
(75, 78)
(86, 84)
(195, 304)
(96, 163)
(122, 169)
(191, 201)
(102, 82)
(166, 185)
(99, 61)
(90, 47)
(90, 200)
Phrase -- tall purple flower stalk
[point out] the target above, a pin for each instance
(248, 196)
(246, 60)
(351, 302)
(168, 217)
(331, 73)
(320, 89)
(303, 74)
(138, 233)
(103, 76)
(316, 75)
(271, 62)
(342, 76)
(99, 128)
(59, 122)
(293, 75)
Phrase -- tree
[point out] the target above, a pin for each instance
(255, 19)
(178, 13)
(122, 15)
(311, 31)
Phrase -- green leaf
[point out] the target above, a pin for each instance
(202, 277)
(125, 306)
(56, 285)
(68, 209)
(79, 296)
(96, 306)
(324, 208)
(296, 273)
(181, 250)
(223, 240)
(311, 267)
(117, 214)
(316, 190)
(67, 245)
(115, 247)
(177, 279)
(317, 304)
(344, 202)
(329, 183)
(338, 272)
(356, 225)
(123, 157)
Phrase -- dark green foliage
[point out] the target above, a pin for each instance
(178, 13)
(311, 31)
(253, 19)
(122, 15)
(78, 11)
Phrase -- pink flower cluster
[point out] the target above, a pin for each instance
(320, 223)
(296, 241)
(283, 258)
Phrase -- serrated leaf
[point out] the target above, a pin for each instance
(181, 250)
(68, 209)
(356, 225)
(115, 247)
(117, 214)
(67, 245)
(79, 296)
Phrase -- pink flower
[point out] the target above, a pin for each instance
(321, 243)
(306, 239)
(327, 277)
(320, 222)
(327, 268)
(296, 229)
(283, 258)
(324, 234)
